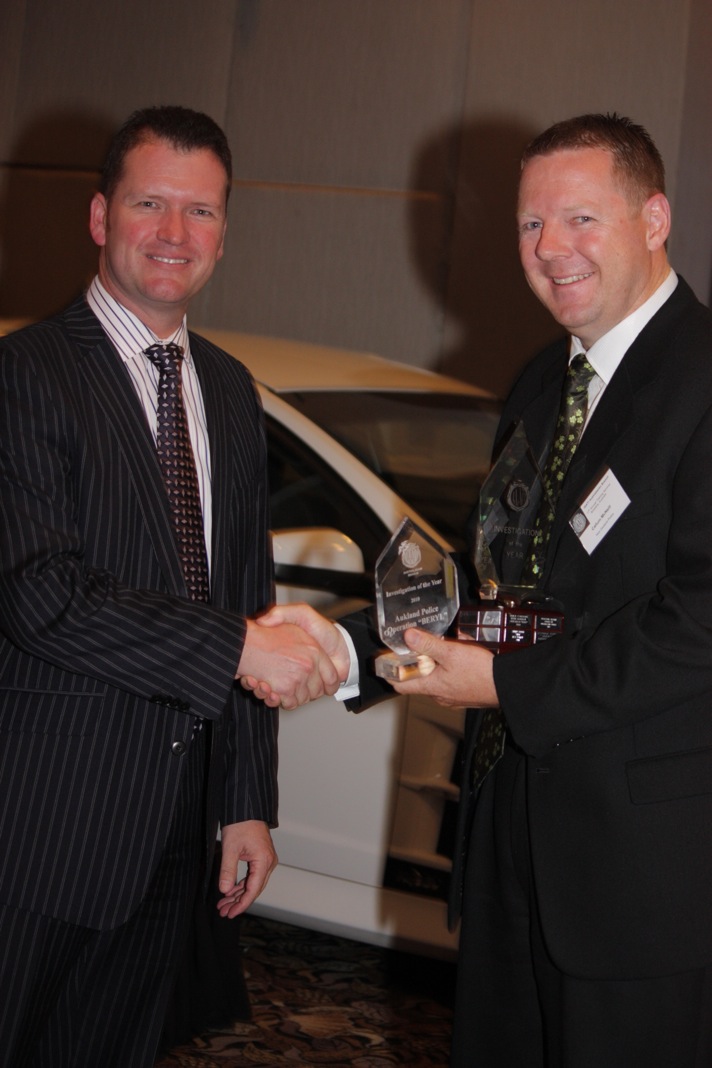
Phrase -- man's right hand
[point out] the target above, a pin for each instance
(291, 665)
(321, 630)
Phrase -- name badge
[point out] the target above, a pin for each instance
(599, 511)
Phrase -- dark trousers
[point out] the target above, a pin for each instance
(71, 997)
(514, 1008)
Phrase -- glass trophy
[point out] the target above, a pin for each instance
(509, 614)
(416, 586)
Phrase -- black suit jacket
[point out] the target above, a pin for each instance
(103, 659)
(616, 717)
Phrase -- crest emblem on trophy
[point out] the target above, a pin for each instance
(416, 586)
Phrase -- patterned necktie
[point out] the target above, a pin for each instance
(175, 456)
(569, 427)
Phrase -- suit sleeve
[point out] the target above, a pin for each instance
(367, 644)
(251, 783)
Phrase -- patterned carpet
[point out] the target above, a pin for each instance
(318, 1000)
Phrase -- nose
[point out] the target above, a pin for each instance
(172, 228)
(552, 243)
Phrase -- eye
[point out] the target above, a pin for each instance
(531, 225)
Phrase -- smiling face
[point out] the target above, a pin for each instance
(162, 231)
(590, 253)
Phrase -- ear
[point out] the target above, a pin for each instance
(656, 212)
(98, 212)
(221, 248)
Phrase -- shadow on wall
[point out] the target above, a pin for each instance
(493, 323)
(46, 253)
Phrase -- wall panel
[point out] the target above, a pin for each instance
(12, 24)
(334, 93)
(329, 267)
(531, 65)
(47, 254)
(376, 146)
(86, 65)
(691, 241)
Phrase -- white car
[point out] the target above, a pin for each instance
(367, 801)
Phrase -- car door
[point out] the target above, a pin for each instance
(365, 799)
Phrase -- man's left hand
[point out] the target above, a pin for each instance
(251, 842)
(462, 677)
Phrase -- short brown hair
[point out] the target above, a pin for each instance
(181, 127)
(636, 160)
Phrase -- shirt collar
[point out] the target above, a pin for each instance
(129, 335)
(606, 353)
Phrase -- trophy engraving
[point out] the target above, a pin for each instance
(510, 613)
(416, 586)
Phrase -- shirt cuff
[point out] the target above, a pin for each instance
(351, 687)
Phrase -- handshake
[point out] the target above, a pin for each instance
(293, 655)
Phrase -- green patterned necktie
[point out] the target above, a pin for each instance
(569, 427)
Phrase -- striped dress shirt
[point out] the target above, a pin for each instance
(131, 337)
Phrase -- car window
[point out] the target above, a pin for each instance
(432, 449)
(306, 492)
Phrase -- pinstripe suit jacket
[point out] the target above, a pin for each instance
(102, 656)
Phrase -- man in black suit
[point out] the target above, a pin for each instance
(587, 918)
(587, 929)
(125, 739)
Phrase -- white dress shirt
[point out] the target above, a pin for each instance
(131, 337)
(606, 353)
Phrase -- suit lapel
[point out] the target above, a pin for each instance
(613, 419)
(540, 414)
(115, 395)
(214, 400)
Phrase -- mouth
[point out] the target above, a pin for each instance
(571, 279)
(170, 260)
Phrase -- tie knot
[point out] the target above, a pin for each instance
(166, 358)
(579, 374)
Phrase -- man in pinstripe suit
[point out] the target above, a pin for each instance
(110, 797)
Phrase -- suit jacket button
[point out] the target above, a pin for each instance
(178, 748)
